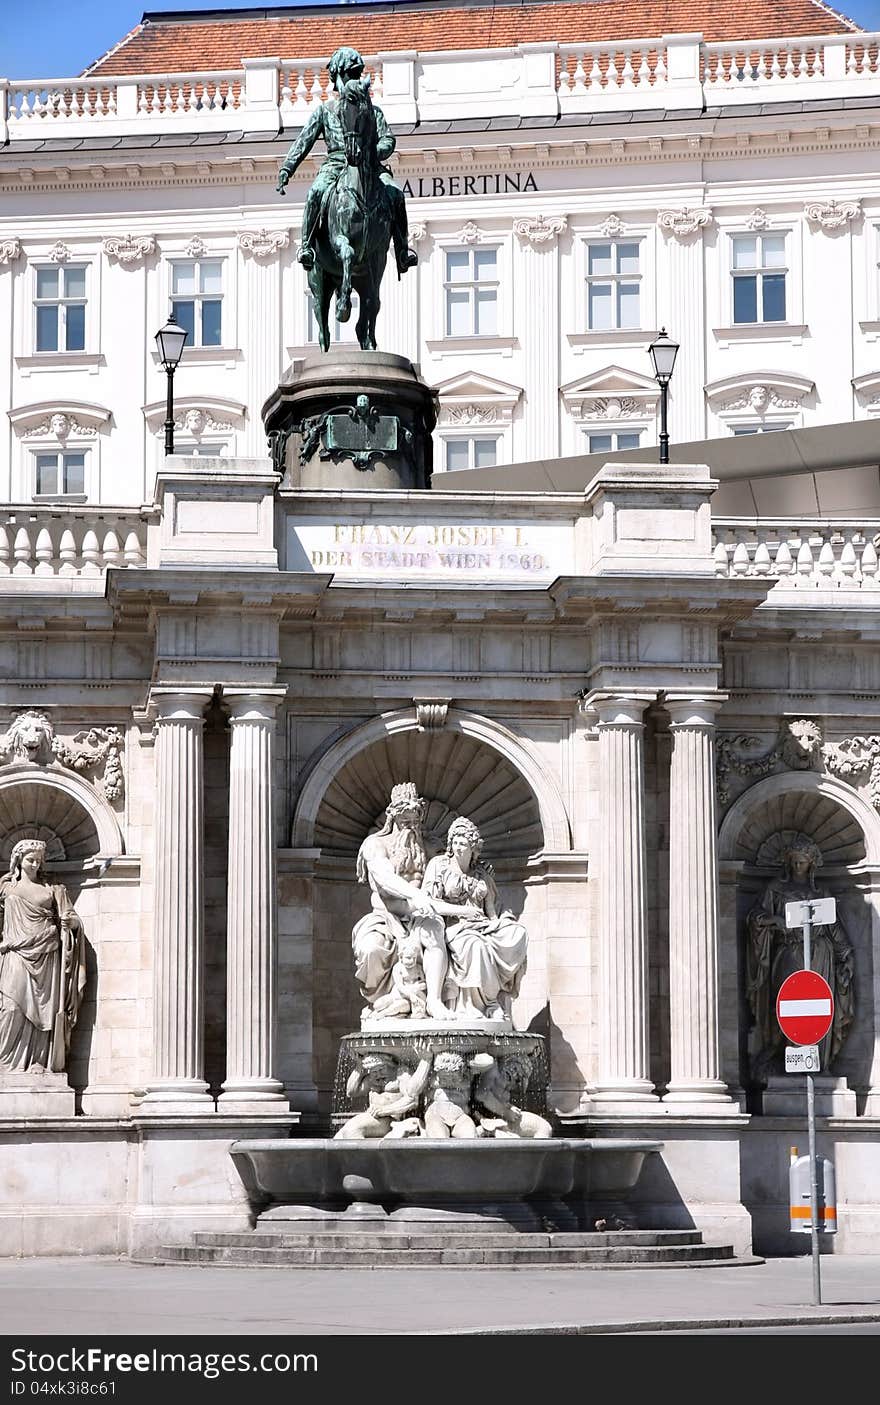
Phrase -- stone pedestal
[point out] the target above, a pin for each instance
(351, 419)
(35, 1093)
(786, 1096)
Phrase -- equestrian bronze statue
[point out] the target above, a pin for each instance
(353, 208)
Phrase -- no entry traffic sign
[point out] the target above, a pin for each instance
(805, 1007)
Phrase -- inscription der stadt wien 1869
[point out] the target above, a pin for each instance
(447, 549)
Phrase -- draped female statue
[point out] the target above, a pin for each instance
(775, 952)
(42, 964)
(486, 947)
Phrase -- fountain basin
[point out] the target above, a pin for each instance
(400, 1177)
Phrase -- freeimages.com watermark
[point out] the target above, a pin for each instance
(67, 1372)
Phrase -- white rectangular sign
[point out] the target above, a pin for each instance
(802, 1060)
(818, 911)
(524, 552)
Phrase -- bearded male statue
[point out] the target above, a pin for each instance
(393, 862)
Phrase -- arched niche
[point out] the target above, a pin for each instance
(58, 807)
(471, 766)
(753, 835)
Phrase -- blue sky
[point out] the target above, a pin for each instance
(57, 38)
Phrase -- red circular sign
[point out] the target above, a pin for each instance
(805, 1007)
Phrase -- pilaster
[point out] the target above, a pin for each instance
(251, 1086)
(695, 1053)
(623, 1069)
(177, 1083)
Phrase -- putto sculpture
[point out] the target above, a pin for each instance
(42, 965)
(353, 207)
(775, 952)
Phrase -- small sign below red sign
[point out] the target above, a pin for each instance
(805, 1007)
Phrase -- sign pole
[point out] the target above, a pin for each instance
(811, 1136)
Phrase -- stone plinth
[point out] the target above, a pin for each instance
(352, 419)
(786, 1096)
(35, 1092)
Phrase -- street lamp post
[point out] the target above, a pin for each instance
(663, 353)
(170, 341)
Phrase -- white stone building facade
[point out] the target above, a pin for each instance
(635, 697)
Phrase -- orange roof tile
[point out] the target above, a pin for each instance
(191, 42)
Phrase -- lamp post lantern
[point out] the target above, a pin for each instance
(170, 342)
(663, 353)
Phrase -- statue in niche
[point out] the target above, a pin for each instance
(486, 948)
(393, 862)
(42, 965)
(492, 1094)
(393, 1094)
(775, 952)
(473, 956)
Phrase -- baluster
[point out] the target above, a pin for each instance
(580, 76)
(643, 77)
(44, 552)
(805, 564)
(111, 101)
(286, 94)
(377, 82)
(595, 81)
(67, 553)
(612, 83)
(660, 68)
(783, 562)
(5, 552)
(132, 553)
(848, 561)
(22, 553)
(111, 549)
(168, 102)
(719, 556)
(193, 100)
(301, 97)
(762, 563)
(627, 75)
(564, 85)
(826, 559)
(869, 563)
(741, 559)
(90, 554)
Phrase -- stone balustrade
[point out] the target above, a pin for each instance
(65, 542)
(672, 71)
(799, 554)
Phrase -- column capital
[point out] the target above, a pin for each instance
(253, 704)
(693, 709)
(623, 709)
(180, 704)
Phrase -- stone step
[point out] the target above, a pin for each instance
(362, 1238)
(508, 1257)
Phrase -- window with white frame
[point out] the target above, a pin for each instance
(470, 451)
(59, 473)
(759, 271)
(339, 331)
(471, 287)
(197, 300)
(601, 442)
(614, 277)
(60, 307)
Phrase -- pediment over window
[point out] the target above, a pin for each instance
(197, 415)
(611, 393)
(471, 398)
(867, 388)
(757, 391)
(59, 419)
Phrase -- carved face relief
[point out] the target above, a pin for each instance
(60, 426)
(195, 421)
(31, 737)
(759, 397)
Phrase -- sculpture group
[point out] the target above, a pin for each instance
(434, 944)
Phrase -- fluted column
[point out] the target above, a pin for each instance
(252, 927)
(177, 1083)
(695, 1055)
(623, 961)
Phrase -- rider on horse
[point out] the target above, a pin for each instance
(345, 69)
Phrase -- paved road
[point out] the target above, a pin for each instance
(107, 1297)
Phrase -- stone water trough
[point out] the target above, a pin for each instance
(521, 1185)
